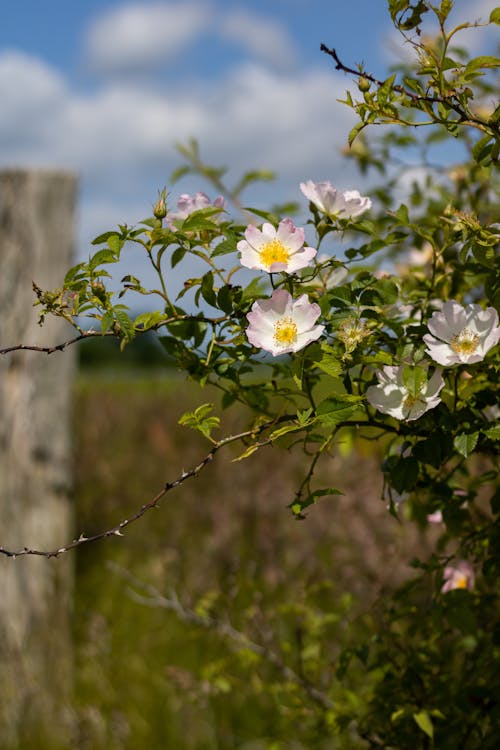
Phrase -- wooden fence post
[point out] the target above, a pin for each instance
(36, 244)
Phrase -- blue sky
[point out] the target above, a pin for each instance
(108, 88)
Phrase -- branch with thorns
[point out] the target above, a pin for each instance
(465, 117)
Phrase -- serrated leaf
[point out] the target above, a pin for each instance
(465, 443)
(333, 411)
(330, 364)
(225, 247)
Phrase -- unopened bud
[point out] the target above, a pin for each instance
(160, 208)
(363, 84)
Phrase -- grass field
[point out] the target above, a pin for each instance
(228, 547)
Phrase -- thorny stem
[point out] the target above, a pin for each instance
(154, 503)
(168, 486)
(93, 334)
(465, 117)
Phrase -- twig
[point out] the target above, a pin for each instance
(92, 334)
(154, 503)
(168, 486)
(465, 118)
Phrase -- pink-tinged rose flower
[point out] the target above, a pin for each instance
(402, 401)
(273, 250)
(333, 202)
(280, 325)
(436, 517)
(461, 335)
(460, 575)
(187, 204)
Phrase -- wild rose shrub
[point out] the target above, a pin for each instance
(396, 340)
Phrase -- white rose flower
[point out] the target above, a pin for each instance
(187, 204)
(333, 202)
(280, 325)
(401, 397)
(275, 250)
(458, 576)
(461, 335)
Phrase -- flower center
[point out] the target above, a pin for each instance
(465, 342)
(410, 400)
(461, 582)
(285, 332)
(274, 252)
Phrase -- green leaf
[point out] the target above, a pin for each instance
(332, 411)
(256, 288)
(493, 433)
(483, 61)
(72, 273)
(330, 364)
(424, 721)
(285, 430)
(248, 452)
(300, 504)
(207, 289)
(201, 219)
(495, 16)
(144, 321)
(103, 238)
(102, 256)
(404, 474)
(414, 379)
(115, 243)
(200, 419)
(465, 443)
(225, 247)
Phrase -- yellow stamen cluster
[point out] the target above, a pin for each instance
(351, 332)
(461, 582)
(285, 332)
(410, 401)
(274, 251)
(465, 342)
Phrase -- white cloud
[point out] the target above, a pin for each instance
(140, 37)
(31, 94)
(263, 37)
(121, 138)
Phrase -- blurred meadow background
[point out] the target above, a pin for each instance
(185, 628)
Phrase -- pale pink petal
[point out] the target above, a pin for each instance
(301, 259)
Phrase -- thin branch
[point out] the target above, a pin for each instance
(465, 119)
(93, 334)
(154, 503)
(152, 597)
(168, 486)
